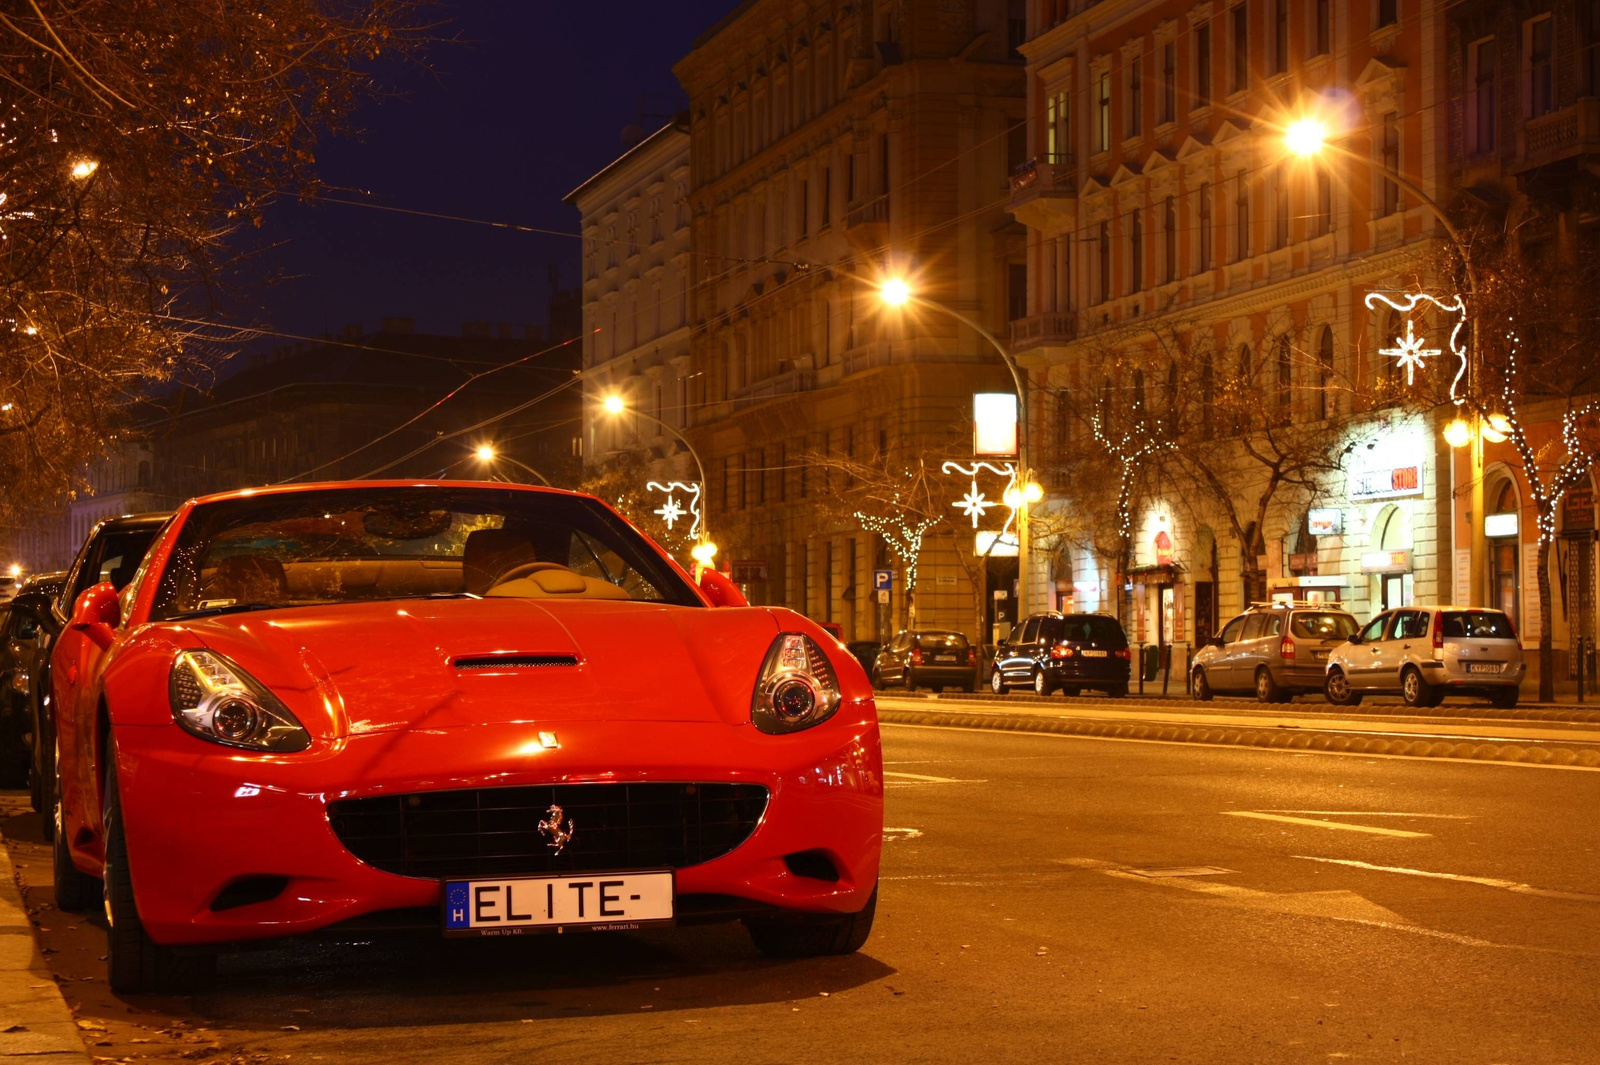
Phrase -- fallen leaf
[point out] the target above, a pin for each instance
(290, 1028)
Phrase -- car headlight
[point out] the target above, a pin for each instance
(217, 701)
(797, 687)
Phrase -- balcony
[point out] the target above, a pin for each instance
(1042, 194)
(866, 227)
(1043, 331)
(1569, 132)
(782, 384)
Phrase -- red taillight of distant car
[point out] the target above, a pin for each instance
(972, 657)
(1286, 649)
(916, 656)
(1124, 654)
(1061, 650)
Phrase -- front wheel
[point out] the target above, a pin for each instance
(997, 682)
(814, 936)
(1200, 687)
(136, 963)
(1041, 683)
(1337, 689)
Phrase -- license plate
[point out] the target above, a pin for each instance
(1483, 667)
(944, 658)
(1092, 654)
(512, 906)
(1321, 656)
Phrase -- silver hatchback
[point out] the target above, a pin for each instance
(1276, 650)
(1424, 653)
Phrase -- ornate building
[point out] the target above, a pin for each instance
(833, 144)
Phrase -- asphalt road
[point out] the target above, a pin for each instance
(1045, 898)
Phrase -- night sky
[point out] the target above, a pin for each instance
(532, 103)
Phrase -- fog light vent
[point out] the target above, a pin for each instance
(250, 890)
(815, 865)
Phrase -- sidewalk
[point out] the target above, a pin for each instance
(36, 1027)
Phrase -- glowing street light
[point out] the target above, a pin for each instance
(614, 404)
(84, 169)
(1458, 433)
(484, 453)
(1306, 137)
(15, 570)
(895, 292)
(704, 552)
(1496, 428)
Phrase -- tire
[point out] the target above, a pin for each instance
(877, 680)
(997, 682)
(135, 963)
(1118, 691)
(970, 688)
(938, 689)
(1506, 700)
(1267, 690)
(814, 936)
(14, 753)
(910, 681)
(1338, 691)
(1201, 688)
(1415, 691)
(1042, 684)
(75, 891)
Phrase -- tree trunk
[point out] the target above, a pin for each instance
(1547, 651)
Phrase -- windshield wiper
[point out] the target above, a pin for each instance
(231, 608)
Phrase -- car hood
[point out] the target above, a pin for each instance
(353, 668)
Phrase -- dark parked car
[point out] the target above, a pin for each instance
(927, 659)
(865, 652)
(112, 552)
(22, 628)
(1066, 651)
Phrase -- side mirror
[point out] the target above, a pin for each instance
(1355, 637)
(1216, 641)
(97, 612)
(720, 589)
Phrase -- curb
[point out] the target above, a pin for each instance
(1278, 738)
(36, 1025)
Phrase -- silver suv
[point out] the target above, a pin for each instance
(1424, 653)
(1277, 650)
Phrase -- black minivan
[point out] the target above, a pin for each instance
(1066, 651)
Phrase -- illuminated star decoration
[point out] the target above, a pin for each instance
(673, 511)
(974, 503)
(1409, 348)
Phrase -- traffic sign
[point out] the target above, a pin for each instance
(882, 580)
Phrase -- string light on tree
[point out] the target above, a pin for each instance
(1130, 448)
(903, 538)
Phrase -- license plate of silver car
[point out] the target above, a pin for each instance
(510, 906)
(1484, 667)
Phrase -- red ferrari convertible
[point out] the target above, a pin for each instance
(470, 708)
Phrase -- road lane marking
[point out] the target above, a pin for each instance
(1338, 825)
(1374, 813)
(924, 776)
(892, 834)
(1293, 752)
(1486, 881)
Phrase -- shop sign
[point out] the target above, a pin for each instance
(1387, 483)
(994, 425)
(748, 570)
(1298, 563)
(1386, 562)
(1578, 510)
(943, 581)
(1325, 521)
(1332, 580)
(996, 545)
(1163, 549)
(1498, 525)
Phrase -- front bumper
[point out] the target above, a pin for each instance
(200, 818)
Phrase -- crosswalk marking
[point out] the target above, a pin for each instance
(1337, 825)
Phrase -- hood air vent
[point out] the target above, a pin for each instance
(495, 663)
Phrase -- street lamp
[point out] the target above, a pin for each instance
(705, 550)
(486, 454)
(897, 292)
(83, 169)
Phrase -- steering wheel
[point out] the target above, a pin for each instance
(527, 569)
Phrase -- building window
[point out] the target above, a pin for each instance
(1202, 64)
(1208, 392)
(1388, 12)
(1057, 129)
(805, 208)
(1322, 219)
(827, 196)
(1205, 226)
(1105, 262)
(1280, 36)
(1285, 366)
(1135, 97)
(1017, 290)
(1241, 48)
(1391, 162)
(1325, 374)
(1169, 82)
(1541, 69)
(1169, 241)
(1280, 206)
(1136, 252)
(1241, 216)
(1102, 106)
(883, 171)
(1481, 104)
(1322, 28)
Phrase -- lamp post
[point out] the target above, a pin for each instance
(486, 454)
(704, 551)
(896, 292)
(1308, 137)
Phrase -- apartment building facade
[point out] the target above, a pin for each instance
(832, 145)
(1166, 217)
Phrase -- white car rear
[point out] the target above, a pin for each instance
(1423, 654)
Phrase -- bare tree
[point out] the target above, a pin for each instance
(136, 139)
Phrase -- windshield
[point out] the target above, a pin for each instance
(1478, 624)
(941, 641)
(360, 544)
(1323, 626)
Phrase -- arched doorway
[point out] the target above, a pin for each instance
(1391, 544)
(1502, 537)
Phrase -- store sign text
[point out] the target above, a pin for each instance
(1386, 483)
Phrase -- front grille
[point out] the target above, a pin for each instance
(495, 831)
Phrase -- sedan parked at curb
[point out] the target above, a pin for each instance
(1424, 653)
(1069, 652)
(23, 635)
(457, 708)
(1275, 650)
(927, 659)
